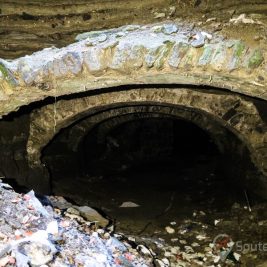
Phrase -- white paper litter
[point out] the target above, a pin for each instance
(129, 204)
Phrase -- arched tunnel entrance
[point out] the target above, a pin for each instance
(233, 123)
(170, 161)
(143, 141)
(175, 163)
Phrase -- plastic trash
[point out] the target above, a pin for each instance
(129, 204)
(52, 228)
(169, 230)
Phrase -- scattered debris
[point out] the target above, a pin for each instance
(210, 19)
(145, 251)
(92, 215)
(201, 237)
(207, 35)
(35, 203)
(172, 11)
(159, 15)
(169, 230)
(246, 195)
(129, 204)
(243, 19)
(216, 222)
(237, 256)
(36, 235)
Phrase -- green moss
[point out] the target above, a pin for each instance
(206, 55)
(168, 43)
(183, 50)
(219, 51)
(236, 59)
(162, 53)
(4, 70)
(239, 48)
(7, 75)
(188, 60)
(256, 59)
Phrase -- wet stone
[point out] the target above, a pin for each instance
(198, 40)
(92, 215)
(177, 53)
(256, 59)
(218, 58)
(169, 29)
(238, 53)
(162, 55)
(206, 55)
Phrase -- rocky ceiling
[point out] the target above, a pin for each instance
(163, 53)
(31, 25)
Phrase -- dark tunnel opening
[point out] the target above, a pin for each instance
(168, 166)
(146, 143)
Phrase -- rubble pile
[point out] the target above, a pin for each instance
(35, 235)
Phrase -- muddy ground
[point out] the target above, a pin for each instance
(179, 206)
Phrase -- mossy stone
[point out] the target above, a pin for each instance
(256, 59)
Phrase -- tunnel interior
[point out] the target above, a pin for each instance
(150, 159)
(146, 143)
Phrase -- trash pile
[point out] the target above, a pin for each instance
(191, 246)
(50, 231)
(35, 235)
(210, 240)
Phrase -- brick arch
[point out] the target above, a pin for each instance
(110, 119)
(233, 112)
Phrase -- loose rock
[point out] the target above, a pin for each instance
(93, 216)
